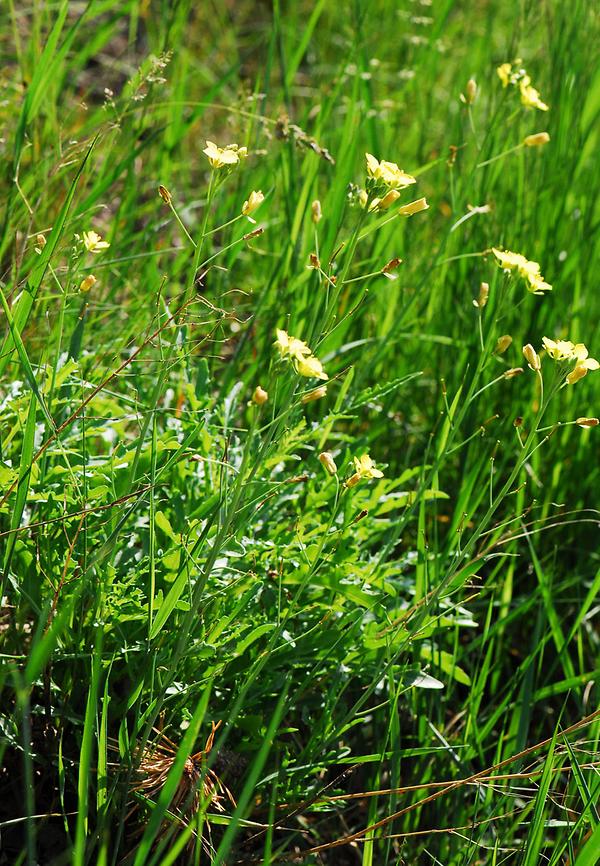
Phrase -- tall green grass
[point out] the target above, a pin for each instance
(404, 669)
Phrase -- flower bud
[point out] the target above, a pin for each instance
(471, 91)
(164, 194)
(327, 461)
(255, 199)
(536, 140)
(587, 422)
(315, 211)
(484, 291)
(315, 394)
(40, 241)
(353, 480)
(314, 261)
(388, 200)
(87, 283)
(514, 371)
(259, 396)
(532, 357)
(503, 343)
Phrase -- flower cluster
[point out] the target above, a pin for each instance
(224, 157)
(515, 75)
(387, 174)
(565, 350)
(530, 271)
(383, 185)
(300, 355)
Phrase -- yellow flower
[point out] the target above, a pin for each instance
(290, 345)
(565, 350)
(365, 467)
(559, 350)
(315, 211)
(388, 173)
(327, 461)
(507, 260)
(530, 97)
(532, 357)
(255, 199)
(93, 242)
(311, 367)
(413, 207)
(219, 157)
(504, 73)
(530, 271)
(537, 285)
(537, 139)
(87, 283)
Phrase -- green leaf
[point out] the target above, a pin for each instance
(447, 663)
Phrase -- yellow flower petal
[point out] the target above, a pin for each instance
(504, 71)
(530, 97)
(413, 207)
(311, 367)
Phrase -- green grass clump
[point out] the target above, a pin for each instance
(328, 599)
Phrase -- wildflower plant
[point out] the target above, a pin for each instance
(299, 478)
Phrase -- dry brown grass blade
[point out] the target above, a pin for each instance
(475, 777)
(198, 786)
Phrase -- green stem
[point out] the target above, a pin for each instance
(200, 244)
